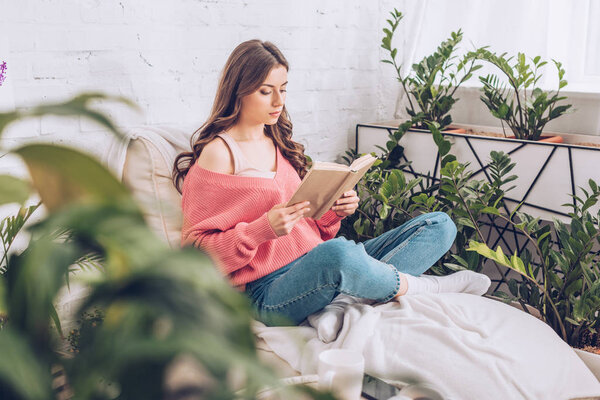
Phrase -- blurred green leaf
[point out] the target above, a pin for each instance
(35, 276)
(14, 190)
(62, 176)
(160, 303)
(3, 308)
(20, 369)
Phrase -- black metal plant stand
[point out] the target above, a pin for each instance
(518, 242)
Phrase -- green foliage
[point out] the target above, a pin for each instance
(49, 163)
(10, 227)
(564, 283)
(159, 304)
(14, 190)
(560, 270)
(432, 83)
(385, 196)
(524, 107)
(465, 200)
(430, 87)
(23, 376)
(442, 144)
(86, 325)
(389, 199)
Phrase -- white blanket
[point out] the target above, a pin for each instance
(469, 347)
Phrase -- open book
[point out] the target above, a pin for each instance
(325, 182)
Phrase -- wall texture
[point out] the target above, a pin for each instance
(166, 56)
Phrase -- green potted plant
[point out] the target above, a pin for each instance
(430, 87)
(389, 198)
(431, 84)
(548, 173)
(160, 306)
(521, 104)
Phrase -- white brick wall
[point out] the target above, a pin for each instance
(166, 56)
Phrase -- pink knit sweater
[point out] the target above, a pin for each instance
(226, 215)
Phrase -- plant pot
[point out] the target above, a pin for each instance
(546, 139)
(551, 139)
(452, 129)
(591, 360)
(448, 129)
(548, 173)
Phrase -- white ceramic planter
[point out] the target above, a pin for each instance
(591, 360)
(548, 173)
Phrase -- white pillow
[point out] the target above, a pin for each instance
(148, 175)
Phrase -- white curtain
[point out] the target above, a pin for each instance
(565, 30)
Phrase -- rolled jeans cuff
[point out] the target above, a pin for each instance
(397, 288)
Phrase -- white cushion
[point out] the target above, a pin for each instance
(148, 175)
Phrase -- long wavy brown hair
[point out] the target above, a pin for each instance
(245, 71)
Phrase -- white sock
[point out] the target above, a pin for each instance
(328, 321)
(458, 282)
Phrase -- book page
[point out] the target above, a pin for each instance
(351, 180)
(330, 166)
(323, 186)
(359, 163)
(318, 186)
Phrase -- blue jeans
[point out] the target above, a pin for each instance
(367, 270)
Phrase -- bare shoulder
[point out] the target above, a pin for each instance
(216, 157)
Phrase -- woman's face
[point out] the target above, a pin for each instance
(264, 105)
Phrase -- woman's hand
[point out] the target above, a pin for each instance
(283, 219)
(347, 204)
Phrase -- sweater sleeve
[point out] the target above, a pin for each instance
(233, 248)
(329, 225)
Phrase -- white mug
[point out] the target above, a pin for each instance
(341, 371)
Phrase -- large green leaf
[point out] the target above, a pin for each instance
(156, 314)
(35, 277)
(119, 229)
(63, 176)
(13, 190)
(20, 370)
(3, 308)
(497, 256)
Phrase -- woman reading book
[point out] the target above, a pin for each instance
(242, 170)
